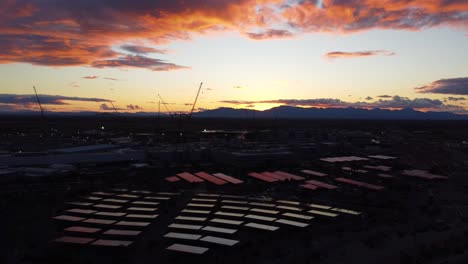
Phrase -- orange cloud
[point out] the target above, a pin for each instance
(69, 33)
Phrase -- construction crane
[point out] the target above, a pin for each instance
(182, 115)
(195, 102)
(39, 102)
(165, 105)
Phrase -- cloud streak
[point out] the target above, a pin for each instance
(446, 86)
(357, 54)
(137, 61)
(142, 50)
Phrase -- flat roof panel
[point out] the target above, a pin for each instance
(157, 198)
(234, 201)
(132, 223)
(233, 196)
(169, 193)
(113, 214)
(200, 205)
(172, 179)
(259, 217)
(289, 208)
(289, 175)
(220, 240)
(263, 227)
(219, 229)
(193, 227)
(208, 194)
(74, 240)
(382, 157)
(112, 243)
(189, 177)
(188, 249)
(93, 198)
(146, 203)
(259, 210)
(243, 208)
(211, 178)
(125, 195)
(145, 216)
(122, 232)
(103, 193)
(309, 186)
(80, 203)
(107, 206)
(288, 202)
(182, 236)
(81, 211)
(322, 184)
(195, 211)
(189, 218)
(99, 221)
(262, 204)
(228, 178)
(262, 177)
(292, 223)
(300, 216)
(144, 209)
(320, 206)
(274, 176)
(115, 200)
(346, 211)
(68, 218)
(314, 173)
(317, 212)
(360, 184)
(226, 221)
(203, 200)
(229, 214)
(82, 229)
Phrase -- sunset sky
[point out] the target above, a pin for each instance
(82, 55)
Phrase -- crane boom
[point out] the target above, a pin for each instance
(196, 98)
(39, 102)
(165, 105)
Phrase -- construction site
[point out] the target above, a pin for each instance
(175, 189)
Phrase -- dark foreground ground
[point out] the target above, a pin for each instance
(411, 220)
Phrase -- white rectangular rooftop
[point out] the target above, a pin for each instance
(219, 229)
(132, 223)
(195, 211)
(261, 226)
(293, 223)
(116, 214)
(229, 214)
(193, 227)
(122, 232)
(188, 249)
(220, 240)
(145, 216)
(264, 211)
(82, 229)
(226, 221)
(189, 218)
(300, 216)
(182, 236)
(112, 243)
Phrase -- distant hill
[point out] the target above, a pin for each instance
(289, 112)
(282, 112)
